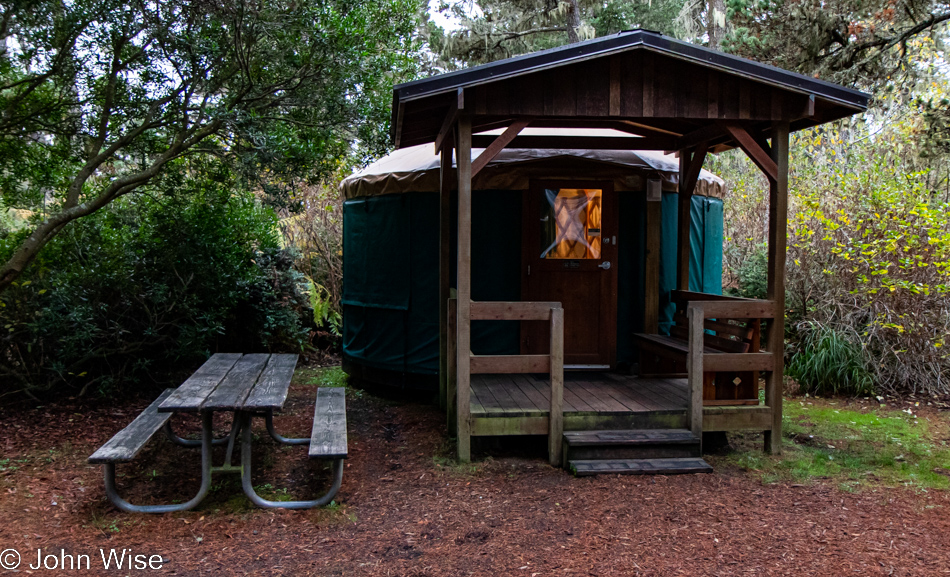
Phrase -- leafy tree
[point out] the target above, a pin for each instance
(97, 97)
(864, 42)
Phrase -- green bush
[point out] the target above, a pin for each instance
(752, 275)
(153, 283)
(828, 362)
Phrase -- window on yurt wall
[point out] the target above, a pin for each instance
(570, 223)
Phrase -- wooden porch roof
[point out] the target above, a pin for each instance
(674, 94)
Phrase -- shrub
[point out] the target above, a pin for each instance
(148, 284)
(828, 361)
(868, 250)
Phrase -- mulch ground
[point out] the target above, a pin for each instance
(405, 509)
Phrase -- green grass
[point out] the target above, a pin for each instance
(322, 376)
(853, 449)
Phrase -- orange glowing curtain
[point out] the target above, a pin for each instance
(577, 213)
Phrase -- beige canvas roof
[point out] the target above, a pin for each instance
(416, 168)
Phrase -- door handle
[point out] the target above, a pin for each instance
(604, 265)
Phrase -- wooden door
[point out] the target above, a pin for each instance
(570, 256)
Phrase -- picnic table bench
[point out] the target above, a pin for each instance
(248, 386)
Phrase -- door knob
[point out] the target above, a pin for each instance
(604, 265)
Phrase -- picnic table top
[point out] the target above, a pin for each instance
(233, 382)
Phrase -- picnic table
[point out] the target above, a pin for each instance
(248, 386)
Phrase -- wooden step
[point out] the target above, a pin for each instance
(630, 444)
(584, 468)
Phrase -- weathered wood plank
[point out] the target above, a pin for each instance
(195, 390)
(502, 394)
(538, 400)
(684, 465)
(234, 389)
(127, 443)
(512, 311)
(445, 271)
(615, 80)
(775, 285)
(451, 364)
(738, 362)
(328, 439)
(508, 426)
(497, 145)
(737, 310)
(571, 142)
(749, 418)
(556, 418)
(271, 389)
(574, 402)
(464, 283)
(694, 367)
(752, 149)
(487, 364)
(522, 401)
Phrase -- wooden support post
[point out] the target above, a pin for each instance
(556, 418)
(694, 369)
(775, 288)
(691, 165)
(651, 281)
(451, 368)
(445, 281)
(464, 283)
(682, 226)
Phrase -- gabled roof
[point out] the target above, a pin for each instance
(833, 101)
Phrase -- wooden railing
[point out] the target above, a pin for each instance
(552, 363)
(698, 362)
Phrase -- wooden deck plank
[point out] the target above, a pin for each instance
(645, 398)
(500, 391)
(234, 389)
(576, 400)
(662, 392)
(475, 402)
(526, 385)
(522, 401)
(503, 395)
(625, 395)
(675, 397)
(485, 397)
(597, 398)
(193, 392)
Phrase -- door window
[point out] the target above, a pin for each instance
(571, 223)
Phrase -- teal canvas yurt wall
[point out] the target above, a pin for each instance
(391, 251)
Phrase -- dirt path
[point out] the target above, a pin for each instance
(406, 510)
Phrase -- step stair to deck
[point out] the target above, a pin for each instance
(634, 452)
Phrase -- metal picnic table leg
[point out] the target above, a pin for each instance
(206, 442)
(170, 434)
(269, 421)
(260, 501)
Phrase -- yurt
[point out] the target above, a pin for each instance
(547, 225)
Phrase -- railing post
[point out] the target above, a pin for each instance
(451, 378)
(556, 418)
(694, 368)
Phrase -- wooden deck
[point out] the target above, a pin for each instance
(518, 404)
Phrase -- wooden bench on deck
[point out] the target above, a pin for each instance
(666, 355)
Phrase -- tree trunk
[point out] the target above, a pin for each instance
(574, 22)
(715, 22)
